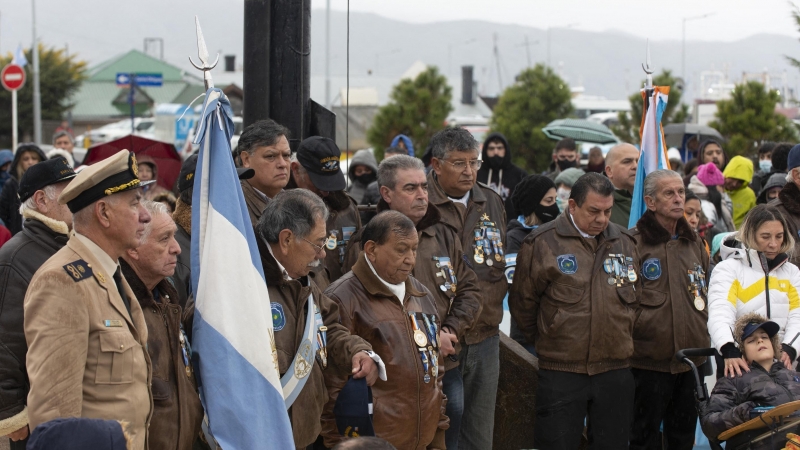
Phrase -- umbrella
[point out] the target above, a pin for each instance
(163, 153)
(678, 134)
(579, 130)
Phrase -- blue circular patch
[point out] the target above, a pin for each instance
(651, 269)
(567, 264)
(510, 274)
(278, 317)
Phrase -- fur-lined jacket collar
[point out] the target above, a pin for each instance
(145, 296)
(790, 198)
(653, 233)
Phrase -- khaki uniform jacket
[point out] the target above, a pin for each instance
(342, 216)
(86, 354)
(408, 412)
(459, 308)
(492, 280)
(256, 201)
(668, 320)
(563, 303)
(292, 296)
(788, 203)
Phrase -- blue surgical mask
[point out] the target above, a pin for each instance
(765, 165)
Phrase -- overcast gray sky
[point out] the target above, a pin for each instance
(732, 19)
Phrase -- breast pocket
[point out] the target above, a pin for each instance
(115, 360)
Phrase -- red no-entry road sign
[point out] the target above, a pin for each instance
(12, 77)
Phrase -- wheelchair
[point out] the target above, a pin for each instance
(765, 432)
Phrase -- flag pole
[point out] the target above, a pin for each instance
(648, 86)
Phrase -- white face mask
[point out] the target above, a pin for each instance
(562, 197)
(765, 165)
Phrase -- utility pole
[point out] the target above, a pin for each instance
(527, 46)
(37, 95)
(328, 54)
(497, 62)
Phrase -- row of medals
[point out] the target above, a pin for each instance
(697, 284)
(491, 243)
(622, 266)
(447, 273)
(425, 341)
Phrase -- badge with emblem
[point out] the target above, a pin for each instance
(567, 264)
(79, 270)
(331, 243)
(651, 269)
(278, 317)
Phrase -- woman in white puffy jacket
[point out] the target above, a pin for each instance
(757, 277)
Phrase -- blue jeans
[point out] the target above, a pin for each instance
(453, 386)
(480, 369)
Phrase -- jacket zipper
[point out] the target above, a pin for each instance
(766, 290)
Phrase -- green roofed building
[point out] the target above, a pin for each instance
(100, 100)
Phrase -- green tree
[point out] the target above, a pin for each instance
(749, 118)
(628, 127)
(60, 77)
(418, 108)
(538, 97)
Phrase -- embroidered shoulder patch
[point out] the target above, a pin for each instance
(278, 317)
(79, 270)
(651, 269)
(567, 264)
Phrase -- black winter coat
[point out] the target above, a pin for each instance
(20, 258)
(733, 398)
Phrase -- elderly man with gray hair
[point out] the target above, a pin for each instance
(674, 316)
(45, 231)
(291, 234)
(63, 144)
(177, 412)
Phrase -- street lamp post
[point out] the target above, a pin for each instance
(683, 44)
(548, 39)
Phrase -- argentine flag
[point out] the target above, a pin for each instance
(234, 349)
(653, 152)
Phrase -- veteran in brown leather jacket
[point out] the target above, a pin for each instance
(380, 301)
(286, 267)
(177, 412)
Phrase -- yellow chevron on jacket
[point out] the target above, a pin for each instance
(745, 294)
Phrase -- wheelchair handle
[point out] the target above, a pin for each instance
(701, 392)
(694, 352)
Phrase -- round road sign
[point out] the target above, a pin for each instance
(12, 77)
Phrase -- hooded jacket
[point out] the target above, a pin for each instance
(406, 141)
(777, 180)
(503, 178)
(732, 398)
(150, 191)
(20, 258)
(357, 189)
(788, 202)
(6, 156)
(9, 198)
(744, 199)
(743, 283)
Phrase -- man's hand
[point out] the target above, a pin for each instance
(364, 366)
(786, 360)
(448, 341)
(19, 435)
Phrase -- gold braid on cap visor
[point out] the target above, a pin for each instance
(122, 187)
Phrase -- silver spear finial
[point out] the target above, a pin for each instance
(647, 69)
(202, 53)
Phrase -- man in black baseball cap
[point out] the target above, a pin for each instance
(183, 218)
(316, 167)
(45, 230)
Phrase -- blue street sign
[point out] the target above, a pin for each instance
(142, 79)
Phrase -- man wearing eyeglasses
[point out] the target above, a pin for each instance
(477, 213)
(565, 155)
(264, 147)
(310, 340)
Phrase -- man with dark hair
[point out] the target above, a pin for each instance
(778, 158)
(183, 219)
(575, 297)
(46, 230)
(440, 267)
(674, 316)
(565, 155)
(498, 172)
(478, 215)
(380, 301)
(291, 234)
(264, 147)
(315, 167)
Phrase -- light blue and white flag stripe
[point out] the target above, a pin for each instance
(653, 153)
(232, 334)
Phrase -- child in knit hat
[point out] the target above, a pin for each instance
(716, 204)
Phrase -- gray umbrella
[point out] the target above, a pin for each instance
(675, 132)
(580, 130)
